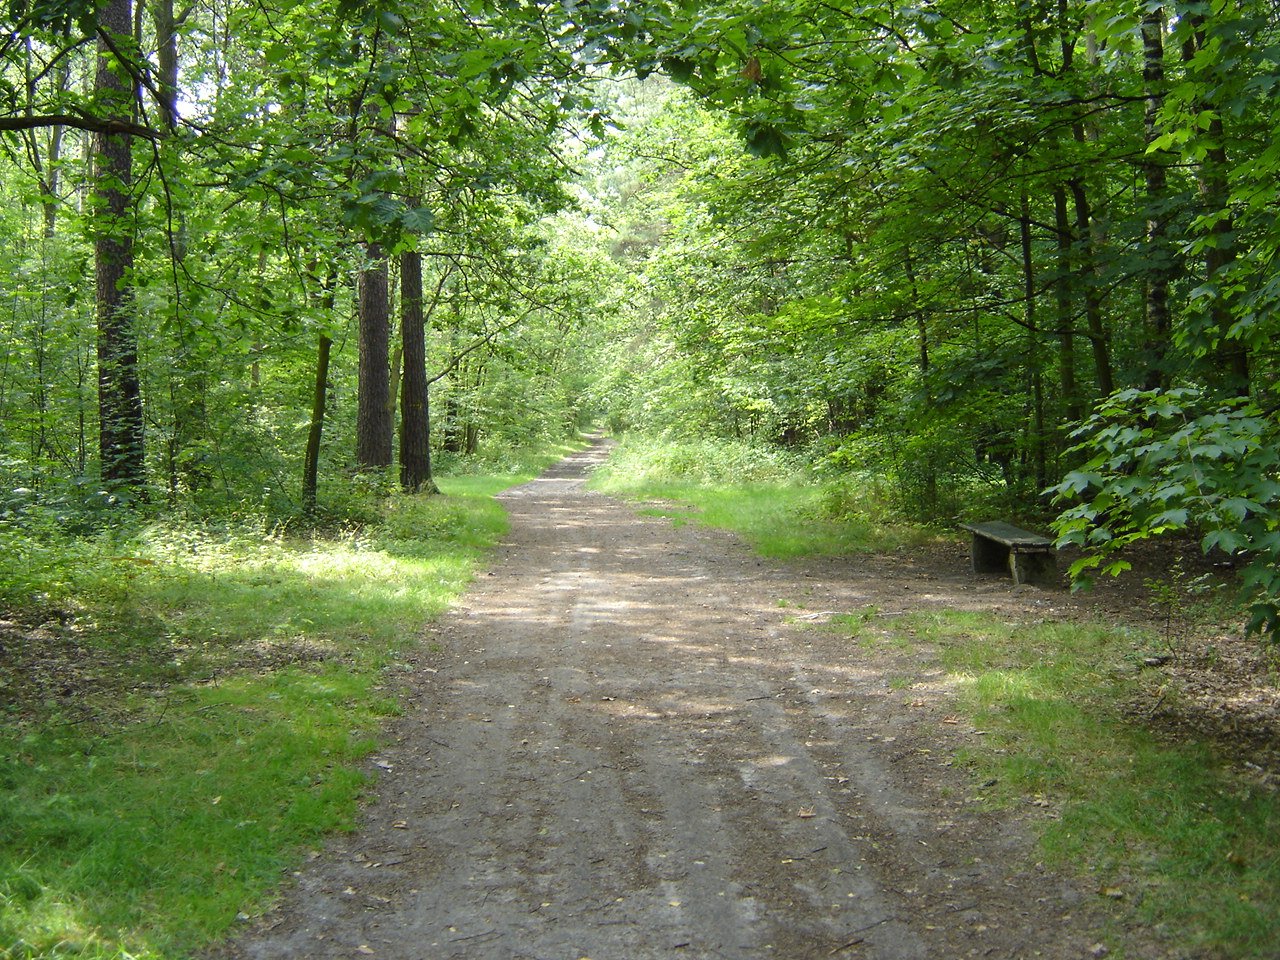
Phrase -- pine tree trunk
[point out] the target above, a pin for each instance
(415, 419)
(373, 420)
(120, 423)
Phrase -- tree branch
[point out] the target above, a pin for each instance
(80, 122)
(475, 345)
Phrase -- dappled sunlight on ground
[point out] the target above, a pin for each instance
(646, 739)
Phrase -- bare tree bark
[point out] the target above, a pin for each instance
(373, 420)
(415, 411)
(120, 423)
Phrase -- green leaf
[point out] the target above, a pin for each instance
(1169, 520)
(419, 220)
(1225, 540)
(680, 70)
(765, 141)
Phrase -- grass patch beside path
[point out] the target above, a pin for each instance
(1166, 827)
(197, 718)
(763, 498)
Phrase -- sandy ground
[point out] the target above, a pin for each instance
(633, 740)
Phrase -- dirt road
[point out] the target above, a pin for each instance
(635, 742)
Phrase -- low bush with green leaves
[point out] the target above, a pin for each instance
(1163, 462)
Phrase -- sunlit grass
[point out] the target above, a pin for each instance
(778, 519)
(1165, 826)
(248, 678)
(771, 500)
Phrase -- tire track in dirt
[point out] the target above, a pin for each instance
(628, 750)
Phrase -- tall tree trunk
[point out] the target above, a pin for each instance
(1158, 325)
(1039, 456)
(415, 416)
(319, 404)
(373, 421)
(1099, 340)
(1063, 299)
(167, 60)
(188, 381)
(51, 179)
(120, 422)
(1090, 238)
(48, 169)
(315, 431)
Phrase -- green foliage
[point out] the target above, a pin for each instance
(640, 459)
(1162, 462)
(947, 265)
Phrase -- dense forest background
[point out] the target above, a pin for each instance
(1011, 257)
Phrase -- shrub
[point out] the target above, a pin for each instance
(1167, 461)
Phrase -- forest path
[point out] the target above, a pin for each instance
(634, 741)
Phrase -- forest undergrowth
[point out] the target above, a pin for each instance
(771, 498)
(184, 705)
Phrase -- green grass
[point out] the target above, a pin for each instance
(150, 839)
(779, 510)
(1166, 826)
(226, 684)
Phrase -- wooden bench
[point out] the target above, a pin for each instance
(1001, 547)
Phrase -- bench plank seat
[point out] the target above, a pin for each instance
(1000, 547)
